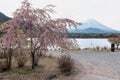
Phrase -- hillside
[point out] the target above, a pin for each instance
(3, 18)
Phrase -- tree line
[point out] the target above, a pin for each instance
(92, 35)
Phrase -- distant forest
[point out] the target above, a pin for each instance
(104, 35)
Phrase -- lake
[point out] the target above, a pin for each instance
(92, 42)
(89, 43)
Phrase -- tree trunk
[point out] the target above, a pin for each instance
(32, 53)
(9, 58)
(112, 47)
(33, 59)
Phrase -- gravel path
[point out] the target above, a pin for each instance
(97, 65)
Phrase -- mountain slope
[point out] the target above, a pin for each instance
(92, 26)
(3, 18)
(92, 30)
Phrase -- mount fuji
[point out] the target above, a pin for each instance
(92, 26)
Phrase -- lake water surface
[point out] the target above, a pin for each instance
(92, 42)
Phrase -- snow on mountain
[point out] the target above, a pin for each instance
(92, 26)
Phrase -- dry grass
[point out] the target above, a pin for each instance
(66, 64)
(48, 66)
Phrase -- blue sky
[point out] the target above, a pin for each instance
(104, 11)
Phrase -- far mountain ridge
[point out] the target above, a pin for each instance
(3, 17)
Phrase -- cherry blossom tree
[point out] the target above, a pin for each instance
(115, 40)
(8, 42)
(41, 29)
(12, 38)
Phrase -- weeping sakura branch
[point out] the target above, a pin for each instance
(41, 29)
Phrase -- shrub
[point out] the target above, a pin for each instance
(21, 58)
(66, 64)
(39, 53)
(97, 48)
(36, 60)
(3, 65)
(2, 55)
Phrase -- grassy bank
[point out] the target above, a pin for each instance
(47, 69)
